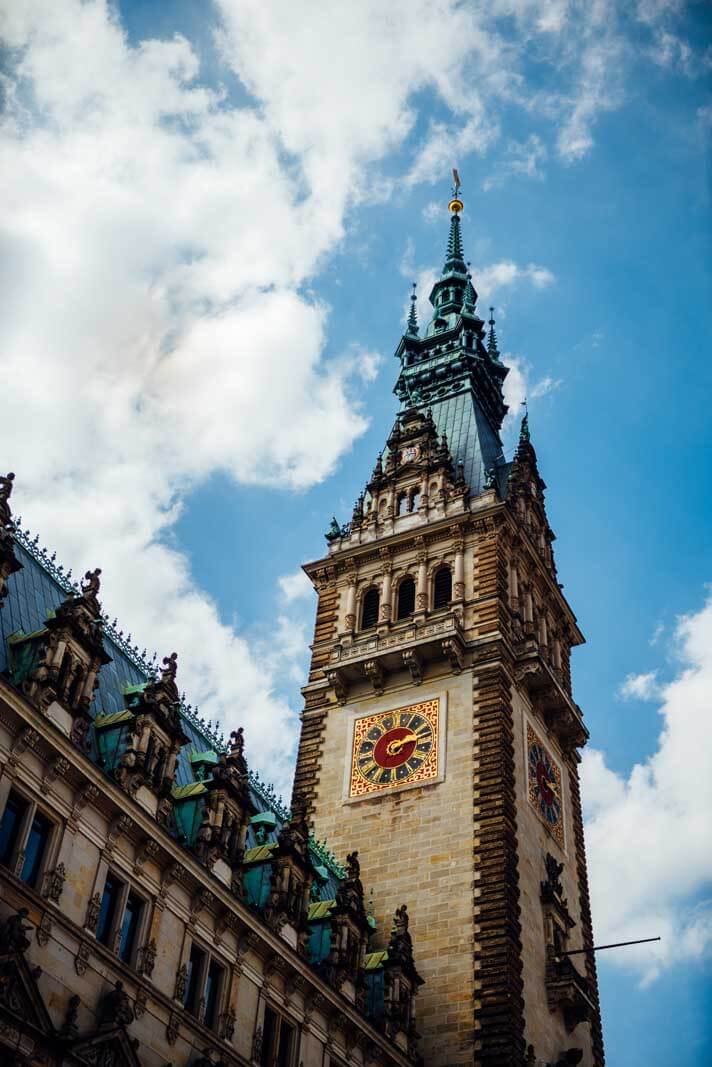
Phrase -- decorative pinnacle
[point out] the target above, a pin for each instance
(468, 304)
(412, 329)
(492, 338)
(524, 435)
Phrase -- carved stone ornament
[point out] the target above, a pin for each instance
(54, 882)
(412, 661)
(257, 1046)
(88, 794)
(147, 958)
(374, 672)
(93, 910)
(172, 1028)
(115, 1007)
(147, 851)
(181, 982)
(44, 930)
(227, 1025)
(70, 1028)
(140, 1003)
(57, 769)
(81, 960)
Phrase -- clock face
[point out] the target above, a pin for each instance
(544, 779)
(395, 748)
(410, 454)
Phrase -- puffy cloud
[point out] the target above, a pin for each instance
(648, 835)
(295, 586)
(159, 239)
(640, 686)
(521, 159)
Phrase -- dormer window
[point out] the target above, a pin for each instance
(369, 609)
(406, 598)
(442, 587)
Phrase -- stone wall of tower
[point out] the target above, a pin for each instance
(467, 854)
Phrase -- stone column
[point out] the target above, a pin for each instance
(421, 595)
(458, 591)
(351, 605)
(385, 613)
(513, 586)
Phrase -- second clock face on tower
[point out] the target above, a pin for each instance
(544, 782)
(395, 748)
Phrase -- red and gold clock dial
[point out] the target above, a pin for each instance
(544, 777)
(394, 748)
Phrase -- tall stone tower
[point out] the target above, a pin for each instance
(439, 735)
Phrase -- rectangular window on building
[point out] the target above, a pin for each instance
(213, 987)
(129, 927)
(109, 909)
(120, 918)
(196, 977)
(36, 848)
(11, 827)
(279, 1040)
(204, 987)
(25, 836)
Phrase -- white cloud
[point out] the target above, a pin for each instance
(159, 241)
(640, 686)
(648, 832)
(521, 159)
(543, 386)
(295, 586)
(502, 275)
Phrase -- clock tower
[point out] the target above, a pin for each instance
(439, 735)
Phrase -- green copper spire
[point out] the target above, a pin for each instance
(468, 304)
(412, 330)
(492, 348)
(455, 256)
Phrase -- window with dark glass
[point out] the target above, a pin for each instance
(442, 587)
(38, 841)
(279, 1040)
(369, 611)
(109, 909)
(196, 971)
(11, 826)
(129, 927)
(213, 984)
(406, 598)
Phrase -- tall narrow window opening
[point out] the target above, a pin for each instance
(109, 909)
(369, 611)
(442, 587)
(10, 827)
(406, 598)
(129, 927)
(196, 970)
(36, 848)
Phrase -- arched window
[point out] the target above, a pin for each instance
(442, 587)
(369, 609)
(406, 598)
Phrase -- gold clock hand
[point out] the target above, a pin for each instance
(394, 747)
(553, 787)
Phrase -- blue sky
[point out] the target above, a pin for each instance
(209, 244)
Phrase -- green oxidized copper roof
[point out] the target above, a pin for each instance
(374, 960)
(102, 721)
(450, 371)
(320, 909)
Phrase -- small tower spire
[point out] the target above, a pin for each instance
(455, 256)
(524, 435)
(468, 304)
(492, 347)
(412, 330)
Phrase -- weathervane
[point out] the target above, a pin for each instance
(456, 205)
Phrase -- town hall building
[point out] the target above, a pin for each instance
(159, 905)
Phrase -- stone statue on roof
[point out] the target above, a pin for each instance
(5, 493)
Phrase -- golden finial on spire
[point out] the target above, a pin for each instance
(456, 205)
